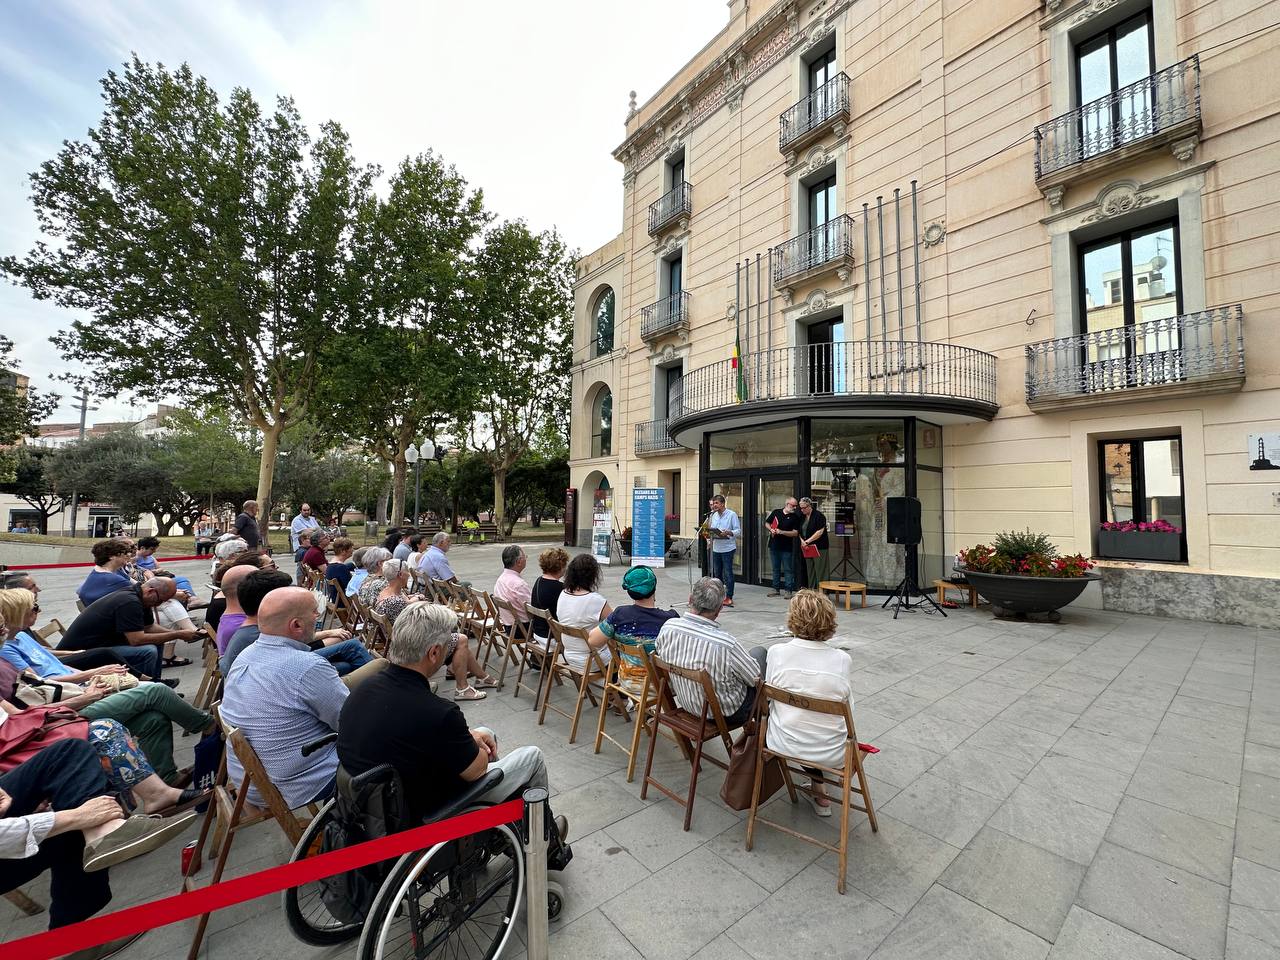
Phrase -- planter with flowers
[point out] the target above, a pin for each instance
(1140, 540)
(1021, 573)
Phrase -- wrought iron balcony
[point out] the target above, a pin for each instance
(666, 316)
(1172, 356)
(828, 246)
(814, 115)
(676, 204)
(650, 437)
(908, 378)
(1157, 109)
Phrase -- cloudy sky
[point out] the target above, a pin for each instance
(528, 99)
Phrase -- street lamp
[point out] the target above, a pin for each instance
(411, 456)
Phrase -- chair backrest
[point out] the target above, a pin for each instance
(711, 708)
(54, 626)
(804, 701)
(622, 653)
(519, 630)
(79, 606)
(559, 631)
(256, 774)
(381, 631)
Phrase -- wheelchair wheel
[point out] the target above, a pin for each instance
(555, 900)
(458, 899)
(308, 918)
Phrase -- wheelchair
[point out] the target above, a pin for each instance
(455, 899)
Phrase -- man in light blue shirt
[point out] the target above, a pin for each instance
(435, 563)
(724, 532)
(303, 521)
(283, 697)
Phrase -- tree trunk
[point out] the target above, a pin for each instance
(266, 471)
(500, 499)
(399, 473)
(384, 495)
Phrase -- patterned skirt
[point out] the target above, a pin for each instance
(123, 761)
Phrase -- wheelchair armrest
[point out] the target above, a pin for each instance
(382, 773)
(467, 798)
(310, 748)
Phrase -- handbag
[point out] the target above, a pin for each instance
(740, 779)
(23, 735)
(32, 691)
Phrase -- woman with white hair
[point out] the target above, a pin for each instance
(373, 582)
(393, 599)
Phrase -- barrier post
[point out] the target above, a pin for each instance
(536, 839)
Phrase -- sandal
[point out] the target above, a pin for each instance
(187, 799)
(468, 693)
(177, 662)
(818, 808)
(485, 683)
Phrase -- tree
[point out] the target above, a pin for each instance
(208, 242)
(536, 486)
(329, 480)
(34, 486)
(21, 408)
(404, 375)
(215, 456)
(519, 353)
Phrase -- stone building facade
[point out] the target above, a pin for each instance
(1014, 259)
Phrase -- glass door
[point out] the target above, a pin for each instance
(772, 493)
(734, 493)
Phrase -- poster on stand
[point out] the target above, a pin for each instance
(601, 523)
(648, 527)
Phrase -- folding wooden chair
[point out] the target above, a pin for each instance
(558, 665)
(479, 623)
(689, 729)
(210, 689)
(310, 577)
(533, 650)
(338, 607)
(364, 627)
(513, 638)
(233, 812)
(381, 633)
(841, 778)
(52, 628)
(635, 689)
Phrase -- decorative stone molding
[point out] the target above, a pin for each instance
(731, 310)
(788, 295)
(844, 273)
(816, 302)
(668, 353)
(1117, 198)
(631, 107)
(1185, 149)
(1051, 6)
(1094, 8)
(817, 33)
(816, 159)
(1055, 196)
(934, 233)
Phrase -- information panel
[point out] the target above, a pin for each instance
(601, 523)
(648, 529)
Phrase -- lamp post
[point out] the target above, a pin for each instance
(411, 456)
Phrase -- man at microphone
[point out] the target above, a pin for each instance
(723, 531)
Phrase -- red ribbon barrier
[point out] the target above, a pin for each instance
(228, 893)
(58, 566)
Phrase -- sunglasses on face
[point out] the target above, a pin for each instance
(35, 608)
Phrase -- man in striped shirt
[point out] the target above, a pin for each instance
(695, 641)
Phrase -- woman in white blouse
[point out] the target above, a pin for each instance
(582, 605)
(807, 665)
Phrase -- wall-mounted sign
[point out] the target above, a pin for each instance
(1264, 449)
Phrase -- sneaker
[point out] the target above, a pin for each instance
(139, 834)
(468, 693)
(786, 594)
(104, 950)
(773, 593)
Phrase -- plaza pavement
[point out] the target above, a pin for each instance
(1107, 788)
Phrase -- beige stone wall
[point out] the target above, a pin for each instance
(948, 93)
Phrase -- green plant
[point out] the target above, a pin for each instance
(1018, 545)
(981, 558)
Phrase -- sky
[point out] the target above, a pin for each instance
(527, 99)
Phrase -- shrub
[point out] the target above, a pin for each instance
(1131, 526)
(1023, 554)
(1020, 545)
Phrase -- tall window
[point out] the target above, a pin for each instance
(676, 168)
(667, 379)
(1105, 63)
(675, 276)
(1141, 480)
(826, 356)
(1129, 284)
(602, 424)
(821, 69)
(603, 322)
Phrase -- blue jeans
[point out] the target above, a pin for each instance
(784, 568)
(722, 570)
(143, 659)
(346, 656)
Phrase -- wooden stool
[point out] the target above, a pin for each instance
(847, 587)
(945, 585)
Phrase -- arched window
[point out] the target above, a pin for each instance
(602, 424)
(603, 321)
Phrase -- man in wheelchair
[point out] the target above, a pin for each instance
(395, 719)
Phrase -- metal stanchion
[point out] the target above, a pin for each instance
(536, 838)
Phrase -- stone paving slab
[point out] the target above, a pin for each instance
(1103, 788)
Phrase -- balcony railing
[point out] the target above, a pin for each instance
(670, 207)
(1158, 104)
(879, 372)
(829, 102)
(1196, 349)
(667, 315)
(829, 243)
(651, 437)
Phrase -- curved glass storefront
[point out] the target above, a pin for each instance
(850, 467)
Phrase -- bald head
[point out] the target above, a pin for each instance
(157, 590)
(231, 586)
(288, 612)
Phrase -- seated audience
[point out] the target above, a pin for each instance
(55, 815)
(403, 547)
(809, 666)
(145, 559)
(392, 599)
(638, 622)
(696, 642)
(581, 605)
(358, 572)
(110, 558)
(546, 590)
(435, 563)
(340, 567)
(227, 547)
(304, 544)
(233, 616)
(25, 652)
(415, 550)
(395, 718)
(315, 557)
(123, 622)
(510, 585)
(373, 583)
(337, 646)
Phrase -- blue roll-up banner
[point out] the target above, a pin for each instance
(648, 528)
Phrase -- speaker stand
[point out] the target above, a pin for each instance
(907, 595)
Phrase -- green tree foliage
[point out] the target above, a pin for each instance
(307, 472)
(208, 242)
(535, 486)
(215, 457)
(519, 347)
(20, 410)
(403, 376)
(33, 484)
